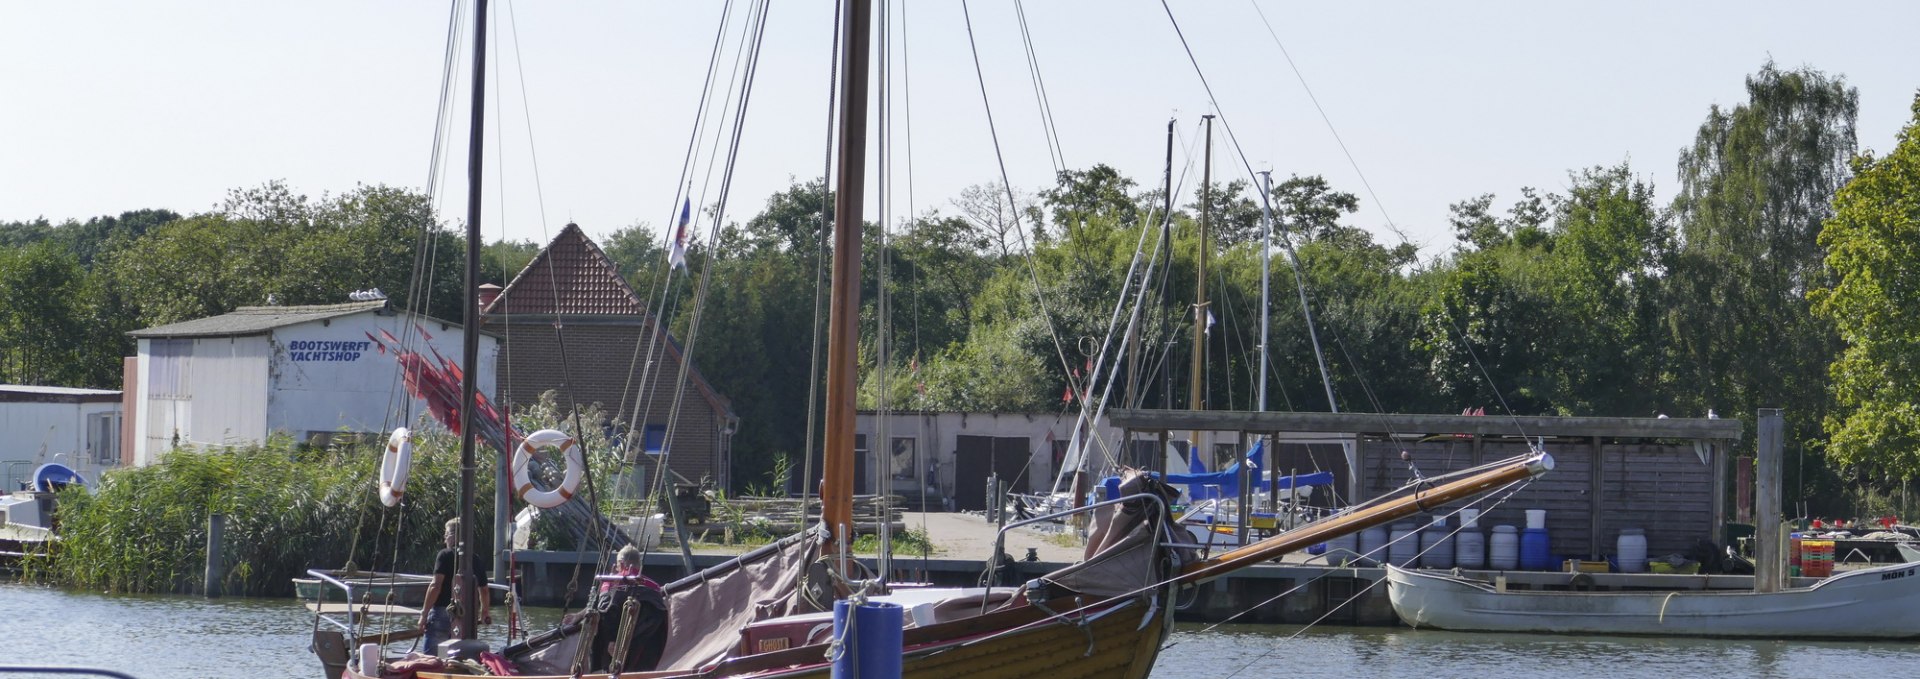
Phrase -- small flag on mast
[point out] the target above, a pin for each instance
(677, 252)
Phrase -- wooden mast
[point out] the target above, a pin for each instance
(843, 332)
(464, 584)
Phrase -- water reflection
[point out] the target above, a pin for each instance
(1260, 651)
(187, 637)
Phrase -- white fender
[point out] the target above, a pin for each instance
(395, 465)
(576, 469)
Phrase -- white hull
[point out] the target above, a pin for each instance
(1882, 602)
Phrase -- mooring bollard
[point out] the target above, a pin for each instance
(216, 523)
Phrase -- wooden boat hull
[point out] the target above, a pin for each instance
(1882, 602)
(1120, 641)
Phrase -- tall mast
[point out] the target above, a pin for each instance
(470, 330)
(1166, 217)
(1266, 252)
(1197, 382)
(836, 491)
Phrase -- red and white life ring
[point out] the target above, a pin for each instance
(576, 469)
(395, 465)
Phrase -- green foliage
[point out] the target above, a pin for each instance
(1755, 188)
(288, 509)
(268, 242)
(52, 326)
(1873, 250)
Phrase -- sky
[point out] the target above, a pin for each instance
(121, 105)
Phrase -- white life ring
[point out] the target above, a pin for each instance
(576, 469)
(395, 465)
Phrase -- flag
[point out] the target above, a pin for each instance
(677, 253)
(1209, 321)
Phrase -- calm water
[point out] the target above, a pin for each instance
(180, 637)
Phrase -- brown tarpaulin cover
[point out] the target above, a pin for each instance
(704, 617)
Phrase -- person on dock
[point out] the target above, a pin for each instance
(436, 622)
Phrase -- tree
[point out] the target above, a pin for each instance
(1755, 188)
(1310, 208)
(1873, 249)
(1099, 192)
(46, 320)
(268, 242)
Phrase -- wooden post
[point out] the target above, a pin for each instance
(216, 525)
(1768, 563)
(1595, 505)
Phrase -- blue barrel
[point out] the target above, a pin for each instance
(871, 648)
(1534, 555)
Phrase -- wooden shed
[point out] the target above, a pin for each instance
(1662, 475)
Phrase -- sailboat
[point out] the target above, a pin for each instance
(769, 612)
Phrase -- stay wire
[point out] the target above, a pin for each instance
(1033, 272)
(820, 270)
(657, 305)
(1055, 153)
(1382, 206)
(706, 272)
(1284, 237)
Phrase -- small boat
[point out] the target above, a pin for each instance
(1872, 603)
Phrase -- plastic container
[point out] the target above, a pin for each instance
(1403, 544)
(1469, 518)
(1534, 552)
(1470, 549)
(1793, 552)
(1503, 551)
(1373, 545)
(1342, 549)
(1436, 547)
(1536, 519)
(1631, 550)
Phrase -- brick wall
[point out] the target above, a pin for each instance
(600, 366)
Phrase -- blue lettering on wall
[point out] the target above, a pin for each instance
(326, 350)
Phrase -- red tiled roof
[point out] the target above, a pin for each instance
(571, 276)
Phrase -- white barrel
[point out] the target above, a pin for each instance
(1631, 554)
(1536, 519)
(1470, 549)
(1469, 518)
(1436, 547)
(1373, 544)
(1503, 554)
(1342, 549)
(1404, 544)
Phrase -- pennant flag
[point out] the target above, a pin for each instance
(677, 253)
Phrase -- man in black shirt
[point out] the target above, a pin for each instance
(435, 621)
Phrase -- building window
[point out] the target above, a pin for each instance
(902, 466)
(654, 439)
(169, 360)
(103, 437)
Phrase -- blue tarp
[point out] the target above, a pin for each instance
(1205, 485)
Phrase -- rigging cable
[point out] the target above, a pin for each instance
(655, 320)
(820, 270)
(1055, 154)
(706, 272)
(1329, 121)
(1033, 272)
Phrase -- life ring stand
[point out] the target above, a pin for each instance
(569, 484)
(396, 464)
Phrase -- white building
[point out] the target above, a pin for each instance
(312, 372)
(953, 453)
(79, 428)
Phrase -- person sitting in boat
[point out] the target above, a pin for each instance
(436, 622)
(645, 636)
